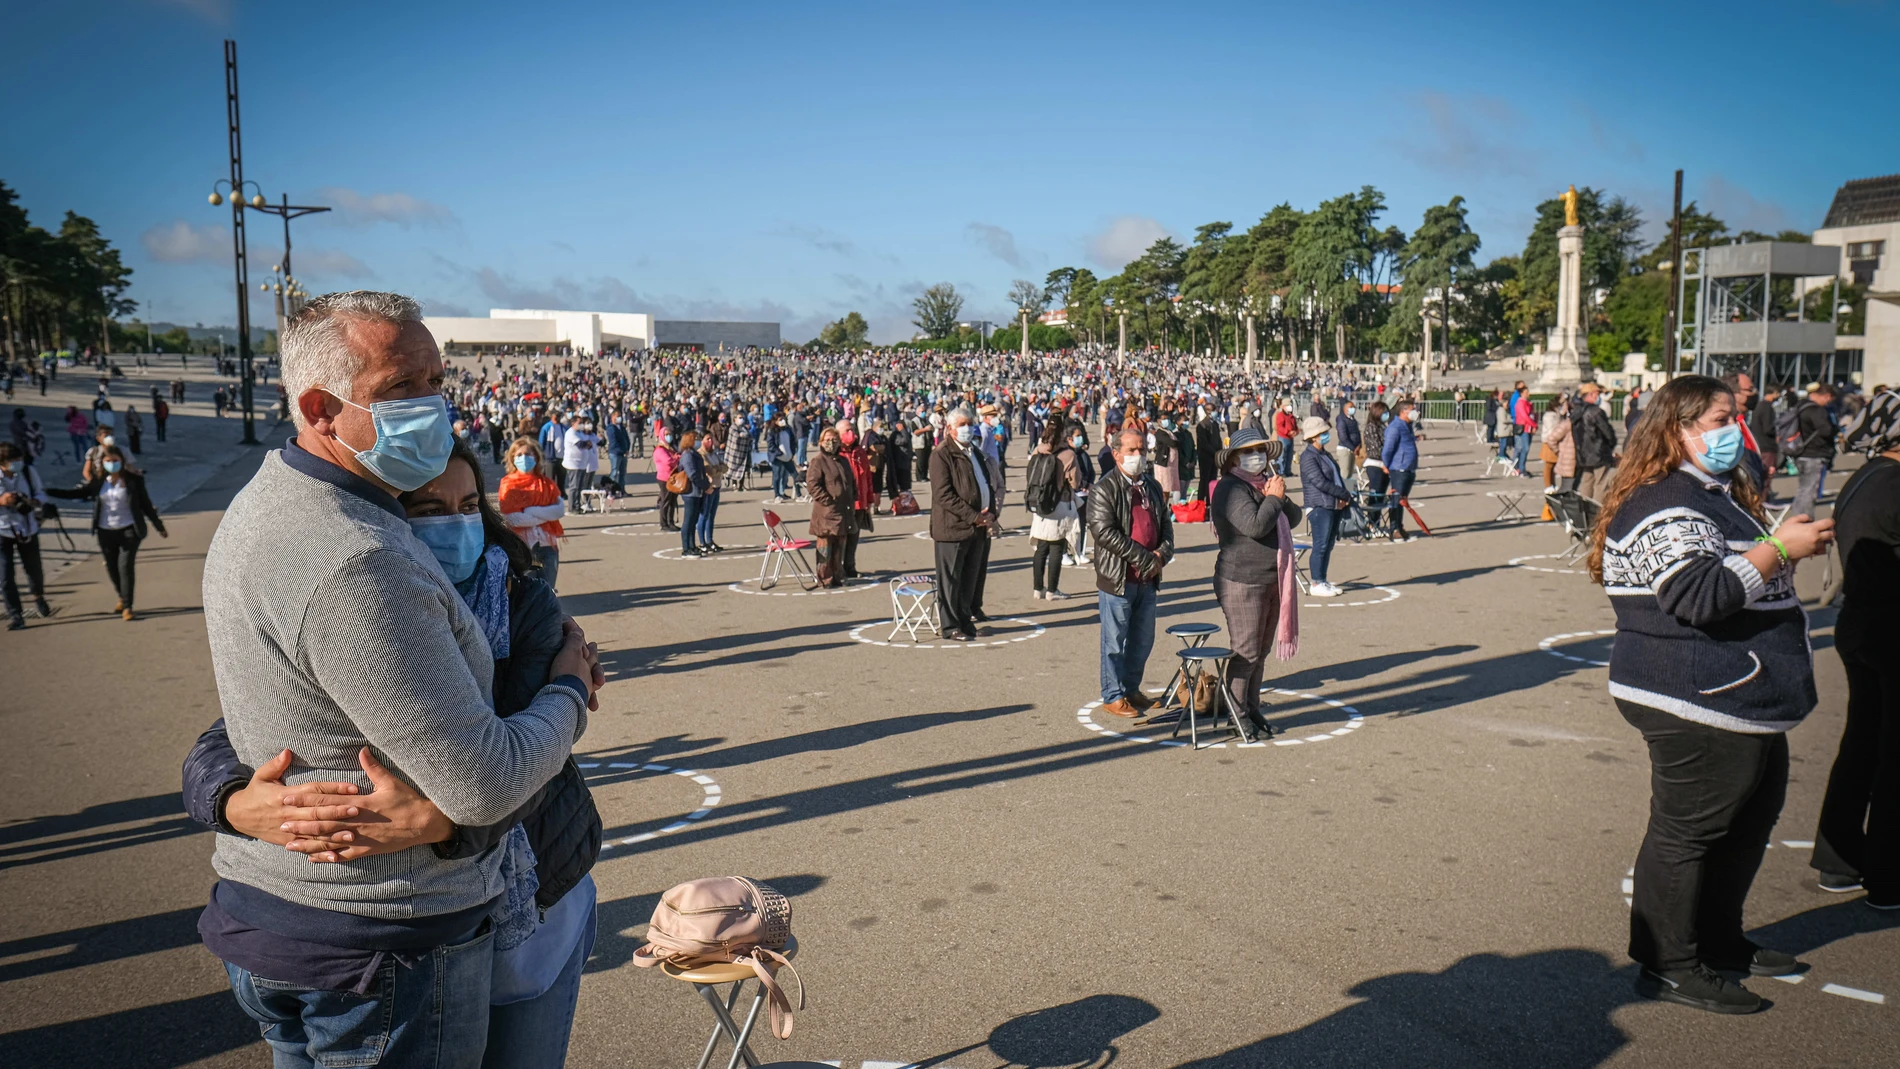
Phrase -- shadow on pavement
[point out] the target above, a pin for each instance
(94, 830)
(678, 749)
(158, 1036)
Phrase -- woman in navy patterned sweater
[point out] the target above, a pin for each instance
(1712, 665)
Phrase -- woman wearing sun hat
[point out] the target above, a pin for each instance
(1253, 574)
(1323, 492)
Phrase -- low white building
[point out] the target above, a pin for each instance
(591, 332)
(1864, 221)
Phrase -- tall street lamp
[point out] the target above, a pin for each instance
(242, 195)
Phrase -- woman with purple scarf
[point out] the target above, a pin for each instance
(1253, 575)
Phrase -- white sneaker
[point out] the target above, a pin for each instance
(1326, 590)
(1068, 561)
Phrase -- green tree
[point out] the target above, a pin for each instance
(1610, 227)
(1269, 278)
(1332, 253)
(1438, 257)
(937, 310)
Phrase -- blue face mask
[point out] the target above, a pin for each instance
(413, 440)
(1385, 417)
(1724, 445)
(456, 541)
(113, 466)
(525, 463)
(1325, 437)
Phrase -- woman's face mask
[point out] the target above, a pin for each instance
(456, 541)
(1722, 448)
(524, 463)
(1253, 462)
(113, 466)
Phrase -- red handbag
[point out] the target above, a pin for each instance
(1191, 512)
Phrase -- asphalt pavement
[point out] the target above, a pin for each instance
(1425, 870)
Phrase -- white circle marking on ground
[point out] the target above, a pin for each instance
(1010, 532)
(1354, 721)
(1036, 630)
(1519, 563)
(1328, 603)
(627, 530)
(750, 586)
(708, 786)
(1554, 640)
(727, 554)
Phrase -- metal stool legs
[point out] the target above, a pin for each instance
(1188, 642)
(723, 1011)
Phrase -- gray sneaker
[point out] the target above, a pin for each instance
(1698, 986)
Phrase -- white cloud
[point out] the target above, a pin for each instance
(1125, 238)
(1000, 243)
(178, 242)
(351, 208)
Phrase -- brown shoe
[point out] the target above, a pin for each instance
(1121, 707)
(127, 614)
(120, 607)
(1141, 702)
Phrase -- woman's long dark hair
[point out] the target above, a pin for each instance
(1656, 448)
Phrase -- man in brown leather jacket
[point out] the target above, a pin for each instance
(964, 502)
(1133, 533)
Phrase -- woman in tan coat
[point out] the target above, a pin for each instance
(834, 501)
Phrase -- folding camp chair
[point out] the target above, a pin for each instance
(1496, 461)
(1578, 514)
(914, 606)
(783, 551)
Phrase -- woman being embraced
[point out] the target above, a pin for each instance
(1712, 665)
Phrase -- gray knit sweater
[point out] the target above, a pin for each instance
(332, 627)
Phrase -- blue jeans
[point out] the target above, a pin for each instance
(1523, 452)
(1128, 635)
(708, 509)
(784, 475)
(1285, 464)
(689, 522)
(430, 1014)
(618, 470)
(803, 445)
(534, 1034)
(1324, 524)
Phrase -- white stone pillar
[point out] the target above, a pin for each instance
(1567, 362)
(1253, 342)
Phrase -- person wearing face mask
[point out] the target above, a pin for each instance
(390, 689)
(666, 460)
(1324, 494)
(1711, 663)
(121, 510)
(693, 498)
(1078, 439)
(834, 507)
(549, 847)
(1285, 426)
(531, 504)
(1254, 578)
(21, 495)
(1210, 437)
(1346, 439)
(1049, 494)
(1134, 541)
(580, 458)
(1161, 447)
(1399, 453)
(965, 502)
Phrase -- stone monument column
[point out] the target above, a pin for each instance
(1567, 361)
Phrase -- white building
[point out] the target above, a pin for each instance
(1864, 221)
(591, 332)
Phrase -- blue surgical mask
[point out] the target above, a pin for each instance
(1325, 437)
(1385, 417)
(413, 440)
(963, 434)
(113, 466)
(524, 463)
(1724, 445)
(456, 541)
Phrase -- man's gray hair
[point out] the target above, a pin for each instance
(962, 412)
(315, 350)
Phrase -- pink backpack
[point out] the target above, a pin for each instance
(726, 919)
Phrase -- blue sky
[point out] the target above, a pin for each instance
(796, 161)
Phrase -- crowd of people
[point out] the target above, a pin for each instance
(400, 795)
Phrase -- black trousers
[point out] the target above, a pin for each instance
(1860, 816)
(121, 549)
(29, 551)
(669, 508)
(851, 553)
(1714, 798)
(1046, 567)
(982, 568)
(958, 573)
(159, 422)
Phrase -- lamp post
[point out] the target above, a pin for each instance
(235, 190)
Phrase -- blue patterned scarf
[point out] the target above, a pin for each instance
(486, 592)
